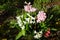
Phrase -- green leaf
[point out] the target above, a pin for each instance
(27, 26)
(12, 23)
(24, 15)
(21, 33)
(42, 24)
(50, 18)
(53, 29)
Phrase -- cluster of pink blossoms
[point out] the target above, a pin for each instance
(41, 16)
(29, 8)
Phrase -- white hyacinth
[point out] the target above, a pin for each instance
(38, 34)
(27, 20)
(30, 19)
(19, 21)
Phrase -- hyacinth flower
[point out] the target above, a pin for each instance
(19, 22)
(38, 34)
(47, 34)
(41, 17)
(29, 8)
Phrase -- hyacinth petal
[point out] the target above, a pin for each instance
(44, 13)
(48, 32)
(33, 9)
(35, 31)
(29, 3)
(27, 8)
(46, 35)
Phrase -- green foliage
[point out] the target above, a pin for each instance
(39, 4)
(56, 9)
(2, 7)
(13, 23)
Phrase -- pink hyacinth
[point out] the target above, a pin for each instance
(47, 34)
(29, 8)
(41, 16)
